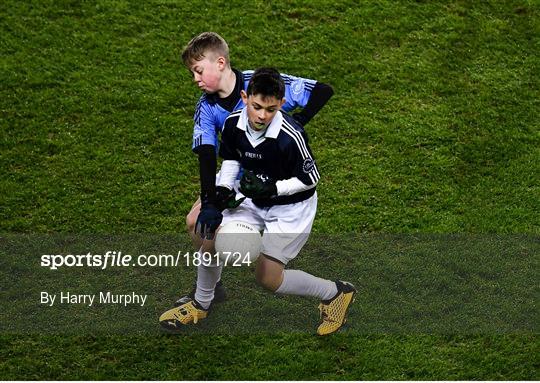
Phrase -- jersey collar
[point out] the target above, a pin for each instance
(271, 132)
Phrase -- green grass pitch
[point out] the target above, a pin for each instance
(433, 132)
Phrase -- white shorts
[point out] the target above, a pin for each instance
(285, 228)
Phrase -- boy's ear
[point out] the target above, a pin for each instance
(283, 100)
(222, 63)
(244, 96)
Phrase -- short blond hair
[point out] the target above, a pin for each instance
(201, 45)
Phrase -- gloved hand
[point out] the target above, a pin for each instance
(257, 186)
(226, 198)
(208, 221)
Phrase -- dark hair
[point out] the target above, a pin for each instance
(266, 82)
(201, 45)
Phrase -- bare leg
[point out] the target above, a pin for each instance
(191, 221)
(269, 273)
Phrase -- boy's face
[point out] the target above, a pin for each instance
(207, 72)
(261, 110)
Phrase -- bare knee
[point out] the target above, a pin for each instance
(191, 220)
(269, 275)
(266, 281)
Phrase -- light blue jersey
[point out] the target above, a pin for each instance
(211, 112)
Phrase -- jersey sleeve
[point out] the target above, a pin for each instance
(299, 154)
(204, 130)
(297, 91)
(227, 149)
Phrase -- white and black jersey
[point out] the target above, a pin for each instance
(281, 153)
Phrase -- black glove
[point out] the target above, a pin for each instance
(208, 221)
(226, 198)
(257, 186)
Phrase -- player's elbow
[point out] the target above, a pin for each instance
(329, 91)
(324, 91)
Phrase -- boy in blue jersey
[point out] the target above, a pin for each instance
(279, 179)
(207, 58)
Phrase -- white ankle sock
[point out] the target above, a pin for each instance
(298, 282)
(207, 277)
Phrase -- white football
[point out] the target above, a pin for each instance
(238, 243)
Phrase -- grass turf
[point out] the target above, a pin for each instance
(433, 129)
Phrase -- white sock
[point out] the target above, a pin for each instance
(207, 277)
(298, 282)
